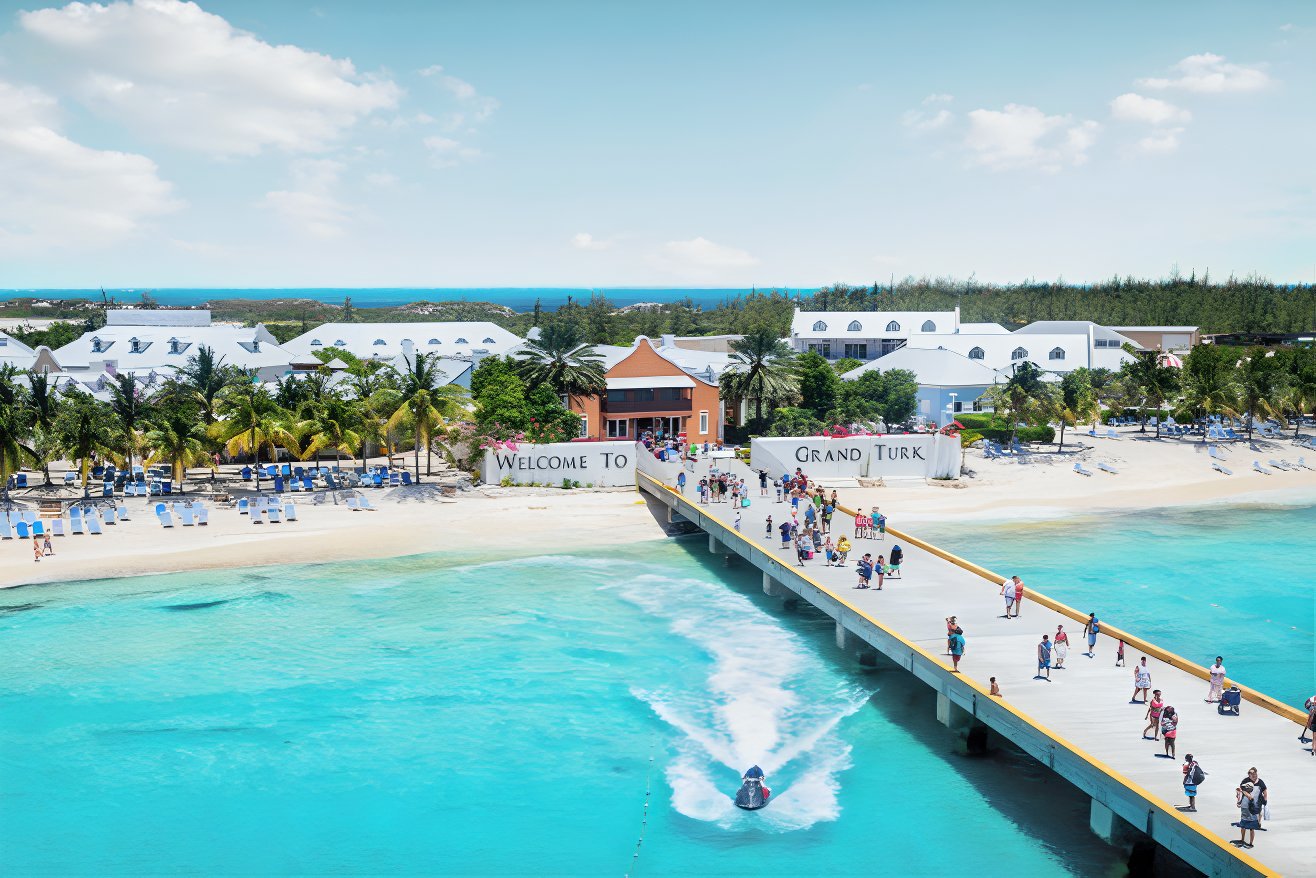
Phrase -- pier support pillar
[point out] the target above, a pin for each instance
(950, 714)
(713, 544)
(1103, 822)
(768, 585)
(842, 636)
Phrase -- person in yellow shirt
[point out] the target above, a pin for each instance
(842, 550)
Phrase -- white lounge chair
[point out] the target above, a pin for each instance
(93, 522)
(244, 505)
(1256, 465)
(6, 530)
(257, 515)
(186, 516)
(109, 515)
(365, 504)
(275, 516)
(1302, 462)
(56, 527)
(1107, 468)
(1214, 451)
(75, 521)
(1278, 464)
(353, 504)
(123, 513)
(203, 516)
(1078, 468)
(1111, 434)
(166, 518)
(289, 512)
(1220, 469)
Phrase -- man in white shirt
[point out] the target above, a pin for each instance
(1007, 589)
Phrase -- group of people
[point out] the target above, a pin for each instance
(717, 487)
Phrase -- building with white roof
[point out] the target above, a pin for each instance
(14, 353)
(866, 335)
(157, 342)
(948, 381)
(385, 341)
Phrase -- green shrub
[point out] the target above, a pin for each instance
(1023, 434)
(977, 420)
(968, 437)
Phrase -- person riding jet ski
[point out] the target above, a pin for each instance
(753, 793)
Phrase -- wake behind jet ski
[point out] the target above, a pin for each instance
(753, 793)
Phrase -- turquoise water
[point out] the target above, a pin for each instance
(1235, 581)
(439, 715)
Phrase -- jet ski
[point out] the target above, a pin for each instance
(753, 793)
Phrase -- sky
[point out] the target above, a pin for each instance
(441, 144)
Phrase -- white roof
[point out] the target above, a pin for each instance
(1154, 328)
(14, 353)
(385, 341)
(935, 367)
(870, 324)
(157, 317)
(983, 328)
(1075, 327)
(654, 381)
(168, 347)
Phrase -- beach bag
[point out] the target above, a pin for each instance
(1254, 803)
(744, 501)
(1196, 776)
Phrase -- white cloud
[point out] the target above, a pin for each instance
(55, 192)
(446, 152)
(1161, 142)
(312, 205)
(703, 253)
(586, 241)
(937, 98)
(171, 70)
(929, 119)
(1207, 73)
(1022, 137)
(1137, 108)
(477, 107)
(381, 179)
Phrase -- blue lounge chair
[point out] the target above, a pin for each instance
(289, 512)
(21, 528)
(1079, 468)
(406, 478)
(57, 527)
(278, 484)
(70, 478)
(38, 529)
(243, 506)
(6, 529)
(307, 484)
(377, 480)
(245, 472)
(75, 519)
(394, 480)
(93, 522)
(1232, 435)
(1107, 468)
(109, 515)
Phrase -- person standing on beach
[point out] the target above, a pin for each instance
(1192, 776)
(1092, 629)
(1061, 646)
(1018, 595)
(1044, 659)
(1169, 729)
(47, 549)
(36, 549)
(1007, 590)
(956, 649)
(1153, 716)
(1217, 687)
(1141, 682)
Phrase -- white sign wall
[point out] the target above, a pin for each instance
(905, 456)
(598, 463)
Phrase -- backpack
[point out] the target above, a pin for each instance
(1196, 775)
(1254, 802)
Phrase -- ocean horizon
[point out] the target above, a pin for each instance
(516, 298)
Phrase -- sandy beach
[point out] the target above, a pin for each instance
(1151, 473)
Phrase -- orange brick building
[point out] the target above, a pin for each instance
(647, 391)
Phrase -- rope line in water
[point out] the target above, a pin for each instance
(644, 817)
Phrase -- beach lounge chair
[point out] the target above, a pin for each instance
(1256, 465)
(38, 529)
(93, 522)
(353, 505)
(109, 515)
(244, 506)
(295, 485)
(278, 484)
(394, 480)
(365, 504)
(406, 478)
(1081, 470)
(164, 516)
(245, 472)
(203, 516)
(70, 478)
(21, 528)
(1232, 435)
(307, 483)
(289, 512)
(257, 515)
(75, 520)
(275, 516)
(1277, 464)
(1111, 434)
(1107, 468)
(20, 480)
(123, 513)
(57, 527)
(6, 529)
(186, 516)
(1302, 463)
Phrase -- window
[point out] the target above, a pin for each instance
(316, 343)
(173, 346)
(617, 428)
(96, 346)
(379, 341)
(703, 423)
(134, 346)
(488, 341)
(820, 327)
(854, 326)
(435, 341)
(584, 426)
(340, 344)
(407, 341)
(977, 404)
(824, 349)
(1056, 354)
(893, 326)
(929, 326)
(977, 354)
(857, 351)
(255, 347)
(462, 341)
(1105, 343)
(1019, 354)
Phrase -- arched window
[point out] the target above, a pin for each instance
(1056, 354)
(977, 354)
(380, 341)
(929, 326)
(820, 327)
(462, 341)
(488, 341)
(854, 326)
(435, 341)
(1019, 354)
(315, 342)
(340, 344)
(893, 326)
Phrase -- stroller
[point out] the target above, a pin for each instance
(1230, 699)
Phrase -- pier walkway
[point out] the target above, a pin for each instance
(1081, 724)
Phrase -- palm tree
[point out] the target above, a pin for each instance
(1210, 378)
(14, 442)
(328, 425)
(1025, 396)
(130, 407)
(425, 402)
(1156, 382)
(203, 378)
(177, 436)
(250, 420)
(1077, 401)
(1301, 397)
(762, 368)
(1262, 386)
(559, 359)
(41, 403)
(83, 426)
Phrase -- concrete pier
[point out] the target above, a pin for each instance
(1080, 725)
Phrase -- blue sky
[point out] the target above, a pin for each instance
(157, 143)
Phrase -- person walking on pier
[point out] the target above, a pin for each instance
(1092, 629)
(767, 532)
(1008, 592)
(1217, 687)
(1192, 776)
(680, 482)
(1141, 682)
(897, 558)
(1018, 595)
(763, 484)
(1044, 659)
(842, 551)
(737, 524)
(1249, 813)
(1061, 641)
(956, 650)
(1262, 793)
(785, 529)
(1119, 654)
(879, 567)
(1153, 717)
(865, 570)
(1169, 729)
(951, 625)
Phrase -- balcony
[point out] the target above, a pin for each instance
(655, 406)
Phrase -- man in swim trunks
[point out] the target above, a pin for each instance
(1044, 658)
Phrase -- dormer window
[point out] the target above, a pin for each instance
(1056, 354)
(488, 341)
(893, 326)
(174, 347)
(379, 341)
(316, 343)
(1019, 354)
(340, 343)
(820, 327)
(255, 346)
(96, 346)
(977, 354)
(134, 346)
(462, 341)
(929, 326)
(408, 341)
(854, 326)
(435, 341)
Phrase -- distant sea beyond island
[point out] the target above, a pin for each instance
(516, 298)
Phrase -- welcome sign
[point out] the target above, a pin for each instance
(598, 463)
(908, 456)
